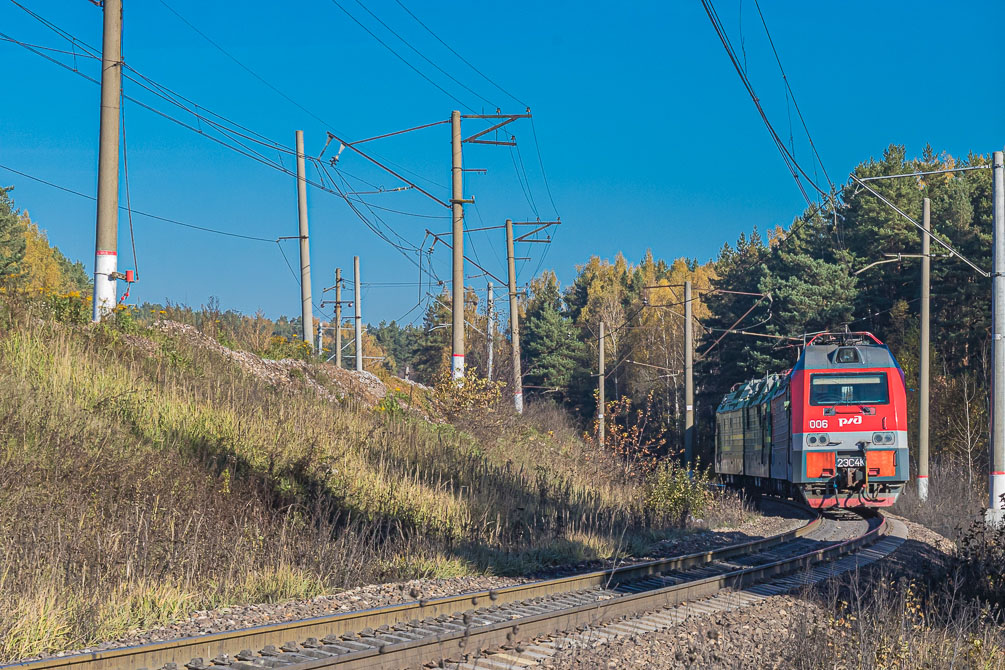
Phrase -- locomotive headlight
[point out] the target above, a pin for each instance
(812, 439)
(823, 438)
(884, 438)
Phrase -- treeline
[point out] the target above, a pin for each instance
(809, 271)
(28, 262)
(806, 270)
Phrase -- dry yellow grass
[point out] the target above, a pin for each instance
(142, 477)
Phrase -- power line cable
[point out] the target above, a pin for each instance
(243, 151)
(533, 203)
(464, 60)
(520, 179)
(402, 58)
(245, 67)
(399, 211)
(279, 243)
(156, 217)
(544, 174)
(125, 171)
(163, 91)
(373, 227)
(788, 88)
(52, 49)
(790, 162)
(173, 98)
(424, 57)
(313, 115)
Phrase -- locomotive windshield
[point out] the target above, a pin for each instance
(849, 389)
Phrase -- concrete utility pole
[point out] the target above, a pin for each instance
(490, 327)
(107, 228)
(923, 400)
(338, 317)
(457, 275)
(359, 315)
(688, 377)
(307, 314)
(996, 486)
(514, 321)
(600, 389)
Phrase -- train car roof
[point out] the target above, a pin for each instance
(834, 356)
(753, 392)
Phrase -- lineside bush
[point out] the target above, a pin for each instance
(672, 491)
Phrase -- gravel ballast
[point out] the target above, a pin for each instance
(776, 519)
(770, 634)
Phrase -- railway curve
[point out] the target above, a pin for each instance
(465, 626)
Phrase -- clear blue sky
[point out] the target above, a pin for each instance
(648, 139)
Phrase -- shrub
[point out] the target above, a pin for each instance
(123, 318)
(981, 550)
(70, 307)
(672, 491)
(391, 404)
(631, 434)
(955, 497)
(472, 394)
(279, 348)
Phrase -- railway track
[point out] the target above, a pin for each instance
(463, 626)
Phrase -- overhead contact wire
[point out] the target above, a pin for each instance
(156, 217)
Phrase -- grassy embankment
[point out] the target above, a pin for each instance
(143, 476)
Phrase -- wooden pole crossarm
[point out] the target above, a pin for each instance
(896, 258)
(737, 323)
(933, 237)
(496, 142)
(541, 225)
(523, 238)
(497, 116)
(507, 119)
(474, 230)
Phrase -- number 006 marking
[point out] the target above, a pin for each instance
(818, 423)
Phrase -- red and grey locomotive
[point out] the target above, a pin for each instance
(833, 430)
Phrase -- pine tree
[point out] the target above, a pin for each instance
(553, 355)
(431, 356)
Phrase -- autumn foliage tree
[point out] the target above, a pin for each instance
(12, 241)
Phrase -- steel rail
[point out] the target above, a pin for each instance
(449, 646)
(158, 654)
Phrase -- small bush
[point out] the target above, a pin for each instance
(632, 435)
(472, 394)
(955, 497)
(123, 318)
(391, 404)
(70, 307)
(672, 491)
(279, 348)
(981, 552)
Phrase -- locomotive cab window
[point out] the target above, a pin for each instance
(849, 389)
